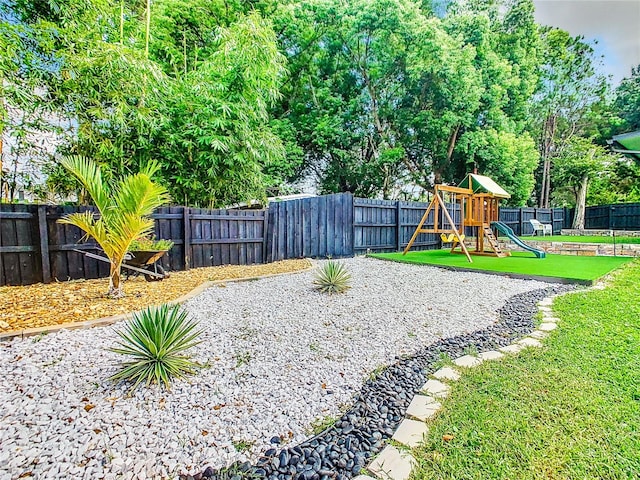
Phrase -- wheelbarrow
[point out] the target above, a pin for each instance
(136, 262)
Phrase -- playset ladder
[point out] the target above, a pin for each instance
(493, 241)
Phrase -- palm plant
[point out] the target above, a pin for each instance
(156, 339)
(332, 277)
(124, 209)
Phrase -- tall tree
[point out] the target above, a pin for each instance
(216, 139)
(578, 161)
(569, 88)
(627, 100)
(376, 91)
(506, 42)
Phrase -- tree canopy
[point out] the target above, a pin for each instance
(382, 98)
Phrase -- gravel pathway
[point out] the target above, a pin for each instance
(279, 356)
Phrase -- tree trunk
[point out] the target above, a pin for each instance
(548, 134)
(115, 284)
(581, 203)
(147, 28)
(121, 22)
(452, 142)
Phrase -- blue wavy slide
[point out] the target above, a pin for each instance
(506, 230)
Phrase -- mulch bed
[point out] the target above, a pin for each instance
(42, 305)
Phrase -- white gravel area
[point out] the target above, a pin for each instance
(278, 356)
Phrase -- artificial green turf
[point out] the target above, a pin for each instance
(558, 266)
(570, 410)
(582, 239)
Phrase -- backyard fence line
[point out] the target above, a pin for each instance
(35, 248)
(518, 218)
(619, 216)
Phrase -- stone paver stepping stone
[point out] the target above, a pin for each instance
(468, 361)
(491, 355)
(364, 477)
(423, 407)
(436, 388)
(544, 308)
(551, 319)
(546, 302)
(447, 373)
(410, 432)
(538, 334)
(392, 464)
(515, 348)
(530, 342)
(547, 327)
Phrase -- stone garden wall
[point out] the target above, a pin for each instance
(601, 233)
(575, 248)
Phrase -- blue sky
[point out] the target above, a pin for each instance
(615, 24)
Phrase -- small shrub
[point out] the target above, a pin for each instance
(155, 339)
(145, 244)
(332, 277)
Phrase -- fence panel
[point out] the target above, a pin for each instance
(387, 225)
(518, 218)
(411, 214)
(511, 216)
(169, 225)
(625, 216)
(311, 227)
(621, 216)
(597, 217)
(374, 225)
(558, 219)
(19, 245)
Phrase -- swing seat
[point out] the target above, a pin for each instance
(450, 238)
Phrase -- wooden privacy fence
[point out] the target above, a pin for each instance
(518, 218)
(310, 227)
(35, 248)
(622, 216)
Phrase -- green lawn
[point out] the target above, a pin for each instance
(558, 266)
(570, 410)
(581, 239)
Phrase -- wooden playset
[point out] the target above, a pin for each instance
(474, 203)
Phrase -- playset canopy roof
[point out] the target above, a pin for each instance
(627, 143)
(482, 184)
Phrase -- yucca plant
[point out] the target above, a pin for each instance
(332, 277)
(124, 209)
(156, 339)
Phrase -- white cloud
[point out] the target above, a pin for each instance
(614, 23)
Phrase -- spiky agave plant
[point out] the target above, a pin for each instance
(332, 277)
(156, 339)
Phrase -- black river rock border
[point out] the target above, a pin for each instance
(341, 451)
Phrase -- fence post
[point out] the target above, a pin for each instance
(352, 230)
(265, 229)
(520, 222)
(187, 238)
(44, 244)
(398, 226)
(610, 219)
